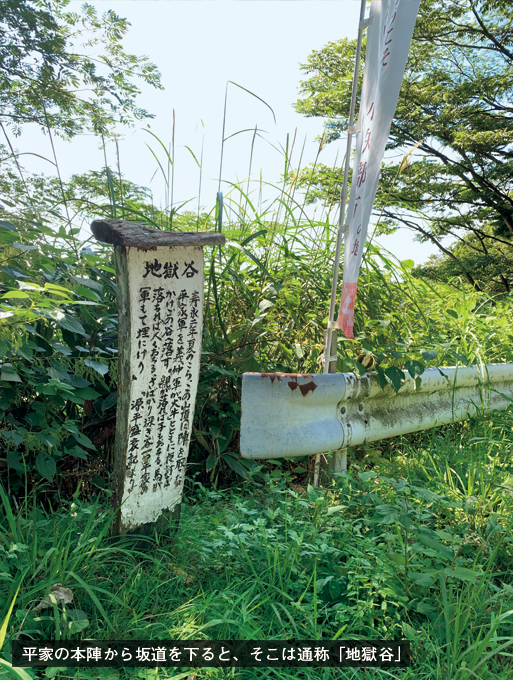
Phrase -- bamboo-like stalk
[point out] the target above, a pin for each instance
(172, 173)
(200, 176)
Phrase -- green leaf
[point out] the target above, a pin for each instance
(5, 348)
(54, 386)
(463, 574)
(26, 352)
(62, 349)
(87, 393)
(21, 246)
(78, 622)
(397, 558)
(58, 289)
(408, 631)
(83, 439)
(30, 286)
(360, 369)
(19, 673)
(220, 369)
(336, 508)
(109, 401)
(428, 538)
(89, 294)
(425, 607)
(12, 273)
(414, 368)
(396, 377)
(253, 95)
(7, 237)
(45, 465)
(77, 452)
(9, 373)
(421, 578)
(94, 285)
(97, 366)
(16, 294)
(381, 377)
(7, 225)
(427, 495)
(235, 465)
(77, 382)
(5, 622)
(14, 462)
(12, 436)
(46, 438)
(429, 355)
(69, 323)
(264, 304)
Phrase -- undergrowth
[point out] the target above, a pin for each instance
(417, 547)
(414, 542)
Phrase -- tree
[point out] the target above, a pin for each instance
(453, 129)
(491, 263)
(45, 79)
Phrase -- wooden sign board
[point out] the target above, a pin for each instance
(160, 284)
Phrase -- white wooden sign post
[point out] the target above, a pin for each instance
(160, 303)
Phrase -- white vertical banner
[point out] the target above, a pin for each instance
(389, 34)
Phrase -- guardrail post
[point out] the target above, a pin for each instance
(324, 469)
(160, 277)
(338, 461)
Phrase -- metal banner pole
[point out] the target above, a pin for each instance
(330, 342)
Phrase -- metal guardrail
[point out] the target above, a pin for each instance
(289, 414)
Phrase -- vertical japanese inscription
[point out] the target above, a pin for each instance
(166, 301)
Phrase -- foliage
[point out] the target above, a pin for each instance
(415, 542)
(46, 79)
(50, 379)
(417, 547)
(265, 290)
(453, 129)
(490, 263)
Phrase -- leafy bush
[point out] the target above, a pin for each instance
(266, 292)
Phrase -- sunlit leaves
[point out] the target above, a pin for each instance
(42, 70)
(453, 130)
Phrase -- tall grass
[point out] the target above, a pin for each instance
(273, 559)
(414, 542)
(266, 306)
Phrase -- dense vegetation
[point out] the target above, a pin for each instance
(414, 542)
(449, 168)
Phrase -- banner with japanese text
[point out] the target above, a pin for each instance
(389, 34)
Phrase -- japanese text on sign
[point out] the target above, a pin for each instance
(166, 296)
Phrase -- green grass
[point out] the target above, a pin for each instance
(415, 542)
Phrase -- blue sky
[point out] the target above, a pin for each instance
(198, 46)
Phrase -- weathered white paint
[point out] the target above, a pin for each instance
(165, 287)
(286, 415)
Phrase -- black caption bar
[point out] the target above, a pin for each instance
(212, 653)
